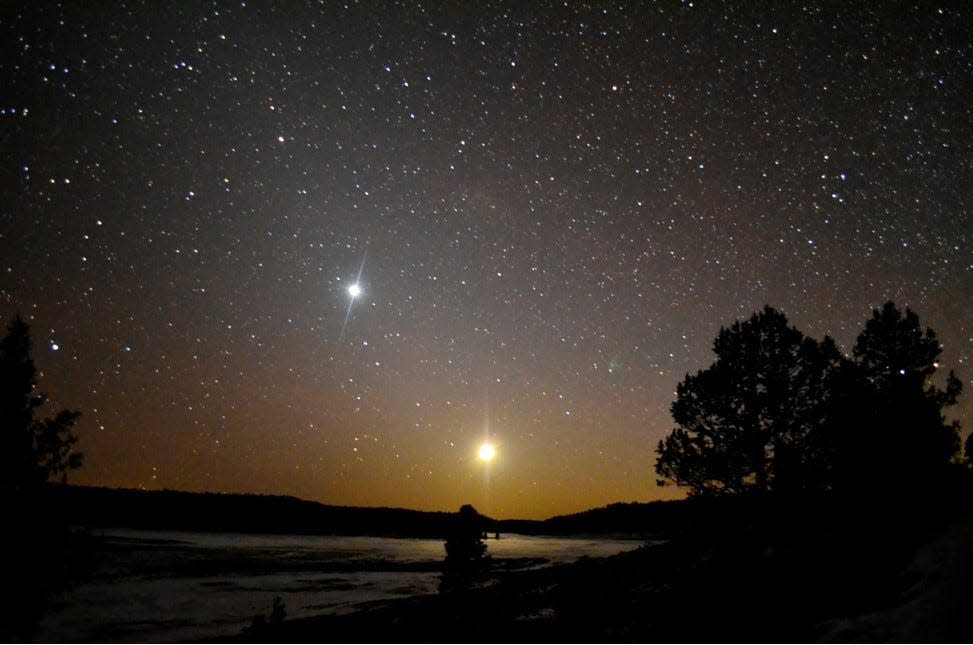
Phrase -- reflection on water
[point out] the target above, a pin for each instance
(159, 586)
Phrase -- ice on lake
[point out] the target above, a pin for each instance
(165, 586)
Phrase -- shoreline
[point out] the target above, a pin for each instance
(159, 586)
(744, 587)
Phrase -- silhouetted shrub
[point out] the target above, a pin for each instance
(465, 551)
(277, 611)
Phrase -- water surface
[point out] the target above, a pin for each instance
(165, 586)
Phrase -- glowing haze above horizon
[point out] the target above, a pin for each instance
(330, 250)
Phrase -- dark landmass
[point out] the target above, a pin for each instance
(731, 569)
(761, 573)
(218, 512)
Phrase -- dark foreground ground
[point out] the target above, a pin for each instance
(858, 580)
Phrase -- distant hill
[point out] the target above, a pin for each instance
(650, 518)
(220, 512)
(175, 510)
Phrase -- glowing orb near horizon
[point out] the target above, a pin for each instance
(487, 452)
(354, 290)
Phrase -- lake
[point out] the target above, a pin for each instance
(166, 586)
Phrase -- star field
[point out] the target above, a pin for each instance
(549, 211)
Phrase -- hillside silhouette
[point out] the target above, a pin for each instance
(225, 512)
(244, 513)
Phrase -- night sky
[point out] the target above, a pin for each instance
(550, 210)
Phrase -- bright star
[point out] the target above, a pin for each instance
(354, 290)
(487, 452)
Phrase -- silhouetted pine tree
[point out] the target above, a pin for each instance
(744, 423)
(903, 441)
(38, 552)
(32, 452)
(780, 413)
